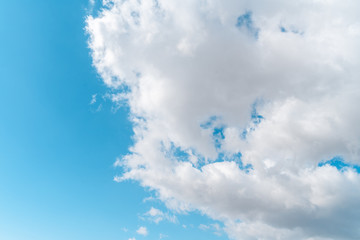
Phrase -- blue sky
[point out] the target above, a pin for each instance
(179, 120)
(56, 150)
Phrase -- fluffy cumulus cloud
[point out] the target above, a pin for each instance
(244, 110)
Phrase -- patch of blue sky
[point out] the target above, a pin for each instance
(123, 88)
(256, 119)
(282, 29)
(291, 30)
(213, 123)
(178, 154)
(218, 136)
(219, 132)
(95, 7)
(210, 122)
(175, 152)
(236, 157)
(340, 164)
(217, 129)
(106, 4)
(246, 21)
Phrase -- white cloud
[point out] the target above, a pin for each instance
(132, 238)
(196, 84)
(142, 231)
(156, 215)
(93, 99)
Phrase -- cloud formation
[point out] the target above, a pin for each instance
(142, 231)
(237, 106)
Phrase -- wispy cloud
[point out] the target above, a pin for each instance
(156, 215)
(90, 7)
(203, 227)
(93, 99)
(214, 227)
(162, 236)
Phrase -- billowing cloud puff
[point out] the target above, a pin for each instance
(245, 110)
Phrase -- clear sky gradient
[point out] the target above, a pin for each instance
(56, 149)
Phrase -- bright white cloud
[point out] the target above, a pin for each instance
(234, 105)
(142, 231)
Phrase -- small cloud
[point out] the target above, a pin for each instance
(125, 229)
(151, 198)
(156, 215)
(118, 179)
(142, 231)
(155, 212)
(215, 227)
(93, 99)
(203, 227)
(132, 238)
